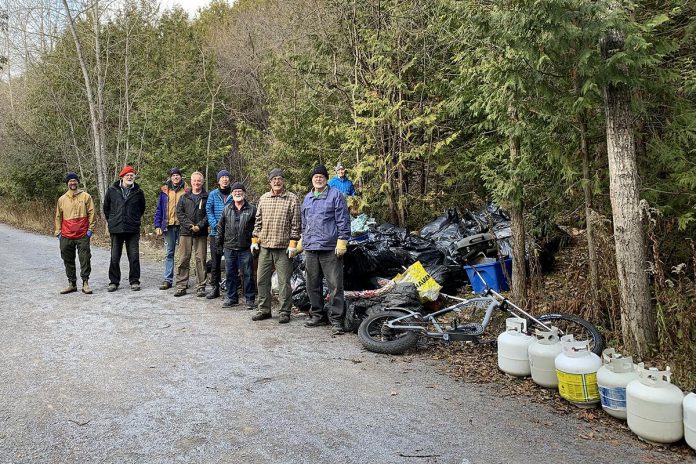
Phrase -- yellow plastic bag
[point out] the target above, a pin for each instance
(428, 288)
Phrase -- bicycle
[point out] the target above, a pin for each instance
(396, 330)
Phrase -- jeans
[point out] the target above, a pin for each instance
(67, 252)
(171, 240)
(236, 260)
(268, 259)
(132, 242)
(320, 265)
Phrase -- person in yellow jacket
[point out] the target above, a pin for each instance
(74, 225)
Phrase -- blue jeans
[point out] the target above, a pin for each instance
(171, 240)
(236, 260)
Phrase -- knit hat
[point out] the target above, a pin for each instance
(71, 175)
(320, 169)
(223, 173)
(237, 185)
(275, 172)
(173, 171)
(339, 166)
(126, 170)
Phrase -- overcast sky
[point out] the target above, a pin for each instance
(191, 6)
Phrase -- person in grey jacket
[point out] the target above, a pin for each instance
(234, 237)
(325, 234)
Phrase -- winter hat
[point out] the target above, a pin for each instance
(223, 173)
(320, 169)
(126, 170)
(173, 171)
(238, 185)
(275, 172)
(339, 166)
(71, 175)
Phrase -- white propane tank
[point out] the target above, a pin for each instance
(576, 369)
(542, 353)
(612, 378)
(690, 419)
(512, 348)
(654, 406)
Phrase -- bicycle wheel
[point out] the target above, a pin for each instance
(576, 326)
(375, 336)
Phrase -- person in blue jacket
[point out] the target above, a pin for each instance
(217, 200)
(341, 182)
(325, 234)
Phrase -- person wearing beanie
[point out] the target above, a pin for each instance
(275, 236)
(325, 234)
(234, 237)
(341, 182)
(74, 223)
(124, 206)
(217, 200)
(167, 223)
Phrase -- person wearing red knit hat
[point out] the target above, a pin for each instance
(124, 206)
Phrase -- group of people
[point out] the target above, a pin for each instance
(189, 218)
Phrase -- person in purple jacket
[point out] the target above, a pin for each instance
(325, 233)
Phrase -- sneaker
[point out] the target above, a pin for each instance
(72, 287)
(135, 287)
(337, 330)
(180, 292)
(229, 303)
(259, 316)
(112, 288)
(200, 292)
(85, 288)
(284, 318)
(166, 285)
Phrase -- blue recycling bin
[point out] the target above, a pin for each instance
(492, 273)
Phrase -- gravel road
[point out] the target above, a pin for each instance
(145, 377)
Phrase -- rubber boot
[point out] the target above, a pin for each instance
(85, 288)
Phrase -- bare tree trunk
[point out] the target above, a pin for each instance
(637, 316)
(589, 216)
(519, 270)
(95, 121)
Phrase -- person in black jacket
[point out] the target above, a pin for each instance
(234, 237)
(190, 211)
(124, 206)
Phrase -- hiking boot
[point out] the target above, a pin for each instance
(72, 287)
(180, 292)
(135, 287)
(283, 318)
(316, 320)
(229, 303)
(112, 288)
(337, 330)
(200, 292)
(250, 306)
(85, 288)
(166, 285)
(260, 316)
(213, 293)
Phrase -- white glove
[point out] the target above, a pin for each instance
(292, 252)
(254, 248)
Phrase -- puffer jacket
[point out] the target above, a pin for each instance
(123, 215)
(234, 235)
(169, 194)
(192, 213)
(214, 208)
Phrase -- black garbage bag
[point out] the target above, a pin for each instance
(446, 240)
(395, 232)
(300, 298)
(503, 235)
(450, 216)
(471, 224)
(404, 295)
(416, 243)
(430, 257)
(451, 276)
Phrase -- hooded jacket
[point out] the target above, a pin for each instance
(167, 200)
(123, 214)
(74, 214)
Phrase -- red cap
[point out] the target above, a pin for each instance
(126, 170)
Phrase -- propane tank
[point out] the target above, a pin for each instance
(576, 369)
(690, 419)
(616, 372)
(542, 353)
(512, 348)
(654, 406)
